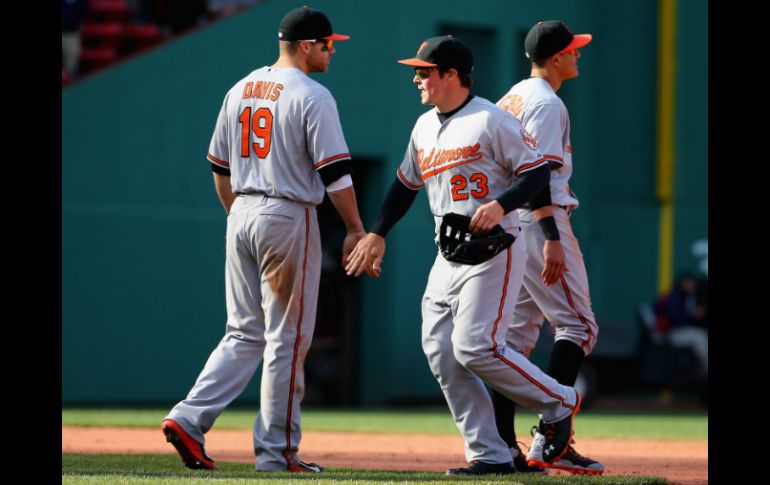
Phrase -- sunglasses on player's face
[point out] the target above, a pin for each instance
(327, 43)
(423, 72)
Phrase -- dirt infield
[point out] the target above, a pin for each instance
(682, 462)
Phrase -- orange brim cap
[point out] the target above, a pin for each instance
(580, 40)
(415, 62)
(337, 37)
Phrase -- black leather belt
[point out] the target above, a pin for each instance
(258, 192)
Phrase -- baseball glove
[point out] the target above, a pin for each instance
(458, 245)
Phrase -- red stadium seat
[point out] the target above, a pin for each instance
(107, 34)
(109, 10)
(141, 36)
(93, 58)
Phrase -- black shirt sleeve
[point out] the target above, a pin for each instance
(525, 187)
(396, 203)
(331, 173)
(220, 170)
(542, 199)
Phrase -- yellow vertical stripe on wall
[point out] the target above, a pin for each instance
(665, 261)
(665, 156)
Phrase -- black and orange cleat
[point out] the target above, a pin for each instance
(577, 464)
(520, 462)
(558, 436)
(193, 453)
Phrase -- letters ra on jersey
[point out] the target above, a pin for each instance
(473, 156)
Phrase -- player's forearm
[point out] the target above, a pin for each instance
(541, 203)
(344, 201)
(224, 190)
(542, 212)
(547, 223)
(526, 186)
(398, 200)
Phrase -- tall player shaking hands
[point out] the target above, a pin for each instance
(475, 161)
(554, 53)
(277, 146)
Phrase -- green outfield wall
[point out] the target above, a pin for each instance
(143, 231)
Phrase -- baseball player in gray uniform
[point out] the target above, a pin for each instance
(277, 145)
(476, 161)
(554, 52)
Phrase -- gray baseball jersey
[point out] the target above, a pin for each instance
(275, 129)
(464, 162)
(281, 126)
(543, 114)
(463, 166)
(566, 304)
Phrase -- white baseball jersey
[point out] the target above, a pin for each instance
(287, 126)
(275, 129)
(469, 160)
(566, 304)
(544, 115)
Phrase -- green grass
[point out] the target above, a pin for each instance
(166, 469)
(691, 426)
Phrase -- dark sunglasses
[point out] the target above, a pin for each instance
(423, 72)
(327, 43)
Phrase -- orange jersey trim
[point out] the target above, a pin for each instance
(331, 159)
(507, 362)
(219, 162)
(406, 182)
(531, 379)
(502, 300)
(299, 333)
(431, 173)
(554, 158)
(529, 166)
(574, 309)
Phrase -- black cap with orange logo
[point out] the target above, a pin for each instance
(303, 23)
(552, 37)
(444, 52)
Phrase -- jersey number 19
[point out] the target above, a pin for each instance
(262, 125)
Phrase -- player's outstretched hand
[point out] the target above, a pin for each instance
(486, 217)
(367, 256)
(553, 255)
(349, 243)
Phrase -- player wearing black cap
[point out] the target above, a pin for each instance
(277, 147)
(476, 162)
(554, 52)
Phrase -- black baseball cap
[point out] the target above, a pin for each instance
(444, 52)
(551, 37)
(303, 23)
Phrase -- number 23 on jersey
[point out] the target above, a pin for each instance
(462, 191)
